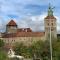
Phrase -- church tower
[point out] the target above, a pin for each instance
(50, 24)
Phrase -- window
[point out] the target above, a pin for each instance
(52, 29)
(8, 40)
(48, 24)
(14, 40)
(52, 24)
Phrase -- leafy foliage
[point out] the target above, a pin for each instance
(3, 55)
(1, 43)
(56, 50)
(39, 49)
(21, 49)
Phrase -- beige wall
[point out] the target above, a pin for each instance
(11, 29)
(25, 40)
(50, 23)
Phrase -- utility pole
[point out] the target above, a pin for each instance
(50, 28)
(50, 13)
(50, 42)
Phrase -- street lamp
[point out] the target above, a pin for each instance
(50, 14)
(50, 41)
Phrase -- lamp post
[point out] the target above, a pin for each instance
(50, 42)
(50, 14)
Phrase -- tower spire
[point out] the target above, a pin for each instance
(50, 10)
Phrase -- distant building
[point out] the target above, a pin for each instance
(50, 24)
(14, 34)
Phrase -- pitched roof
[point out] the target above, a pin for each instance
(24, 34)
(12, 23)
(50, 17)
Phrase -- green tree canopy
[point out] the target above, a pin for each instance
(3, 55)
(1, 43)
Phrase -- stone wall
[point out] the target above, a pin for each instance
(25, 40)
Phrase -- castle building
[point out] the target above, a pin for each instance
(11, 27)
(14, 34)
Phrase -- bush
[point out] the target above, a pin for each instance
(3, 55)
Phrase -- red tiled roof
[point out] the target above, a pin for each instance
(24, 34)
(24, 30)
(12, 23)
(50, 17)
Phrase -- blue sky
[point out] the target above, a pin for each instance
(27, 13)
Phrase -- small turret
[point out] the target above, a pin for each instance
(11, 27)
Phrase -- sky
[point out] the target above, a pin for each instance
(28, 13)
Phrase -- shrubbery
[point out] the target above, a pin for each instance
(39, 49)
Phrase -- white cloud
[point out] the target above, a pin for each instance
(36, 23)
(13, 7)
(58, 24)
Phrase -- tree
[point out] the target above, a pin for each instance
(1, 43)
(56, 50)
(39, 49)
(23, 50)
(3, 55)
(36, 49)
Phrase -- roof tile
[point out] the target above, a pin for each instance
(24, 34)
(12, 23)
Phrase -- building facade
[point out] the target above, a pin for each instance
(50, 24)
(14, 34)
